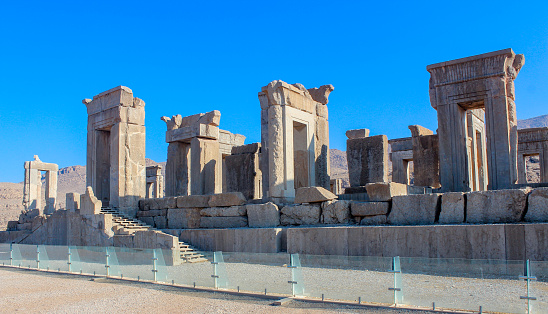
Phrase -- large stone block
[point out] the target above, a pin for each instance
(183, 218)
(369, 208)
(497, 206)
(374, 220)
(160, 222)
(452, 208)
(227, 199)
(263, 215)
(367, 160)
(223, 222)
(232, 211)
(537, 211)
(193, 201)
(419, 209)
(72, 201)
(383, 191)
(313, 194)
(300, 215)
(336, 212)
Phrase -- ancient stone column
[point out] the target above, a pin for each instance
(425, 157)
(32, 186)
(401, 154)
(482, 81)
(116, 148)
(294, 139)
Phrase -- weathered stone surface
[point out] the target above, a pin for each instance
(263, 215)
(374, 220)
(452, 208)
(382, 191)
(419, 209)
(242, 173)
(367, 160)
(300, 215)
(487, 80)
(32, 185)
(537, 211)
(226, 199)
(425, 157)
(232, 211)
(72, 201)
(171, 202)
(313, 194)
(183, 218)
(252, 148)
(116, 128)
(495, 206)
(358, 133)
(336, 212)
(369, 208)
(355, 190)
(193, 201)
(160, 222)
(148, 220)
(223, 222)
(90, 205)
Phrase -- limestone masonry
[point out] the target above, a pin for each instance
(466, 194)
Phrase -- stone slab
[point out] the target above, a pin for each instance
(193, 201)
(452, 208)
(537, 209)
(374, 220)
(369, 208)
(232, 211)
(336, 212)
(420, 209)
(300, 215)
(384, 191)
(227, 199)
(183, 218)
(313, 194)
(498, 206)
(223, 222)
(357, 133)
(263, 215)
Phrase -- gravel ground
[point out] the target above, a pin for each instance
(29, 291)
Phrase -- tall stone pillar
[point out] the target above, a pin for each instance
(116, 169)
(294, 139)
(482, 81)
(32, 186)
(425, 157)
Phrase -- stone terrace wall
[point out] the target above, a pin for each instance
(230, 210)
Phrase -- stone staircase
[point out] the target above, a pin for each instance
(124, 225)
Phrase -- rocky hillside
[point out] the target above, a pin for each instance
(536, 122)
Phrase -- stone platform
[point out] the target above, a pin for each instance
(482, 241)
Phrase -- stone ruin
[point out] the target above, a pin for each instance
(32, 186)
(470, 170)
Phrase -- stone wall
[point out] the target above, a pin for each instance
(386, 205)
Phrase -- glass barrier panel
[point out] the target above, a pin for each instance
(92, 260)
(42, 259)
(462, 284)
(348, 278)
(297, 280)
(74, 264)
(257, 272)
(182, 272)
(5, 253)
(135, 263)
(57, 257)
(25, 255)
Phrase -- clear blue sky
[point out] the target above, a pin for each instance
(185, 57)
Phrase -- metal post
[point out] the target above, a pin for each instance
(154, 259)
(37, 257)
(11, 254)
(292, 266)
(215, 276)
(107, 266)
(528, 277)
(395, 288)
(69, 263)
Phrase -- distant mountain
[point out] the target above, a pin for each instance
(536, 122)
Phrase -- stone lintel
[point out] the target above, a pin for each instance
(533, 135)
(118, 96)
(41, 166)
(185, 134)
(357, 133)
(508, 51)
(154, 171)
(401, 144)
